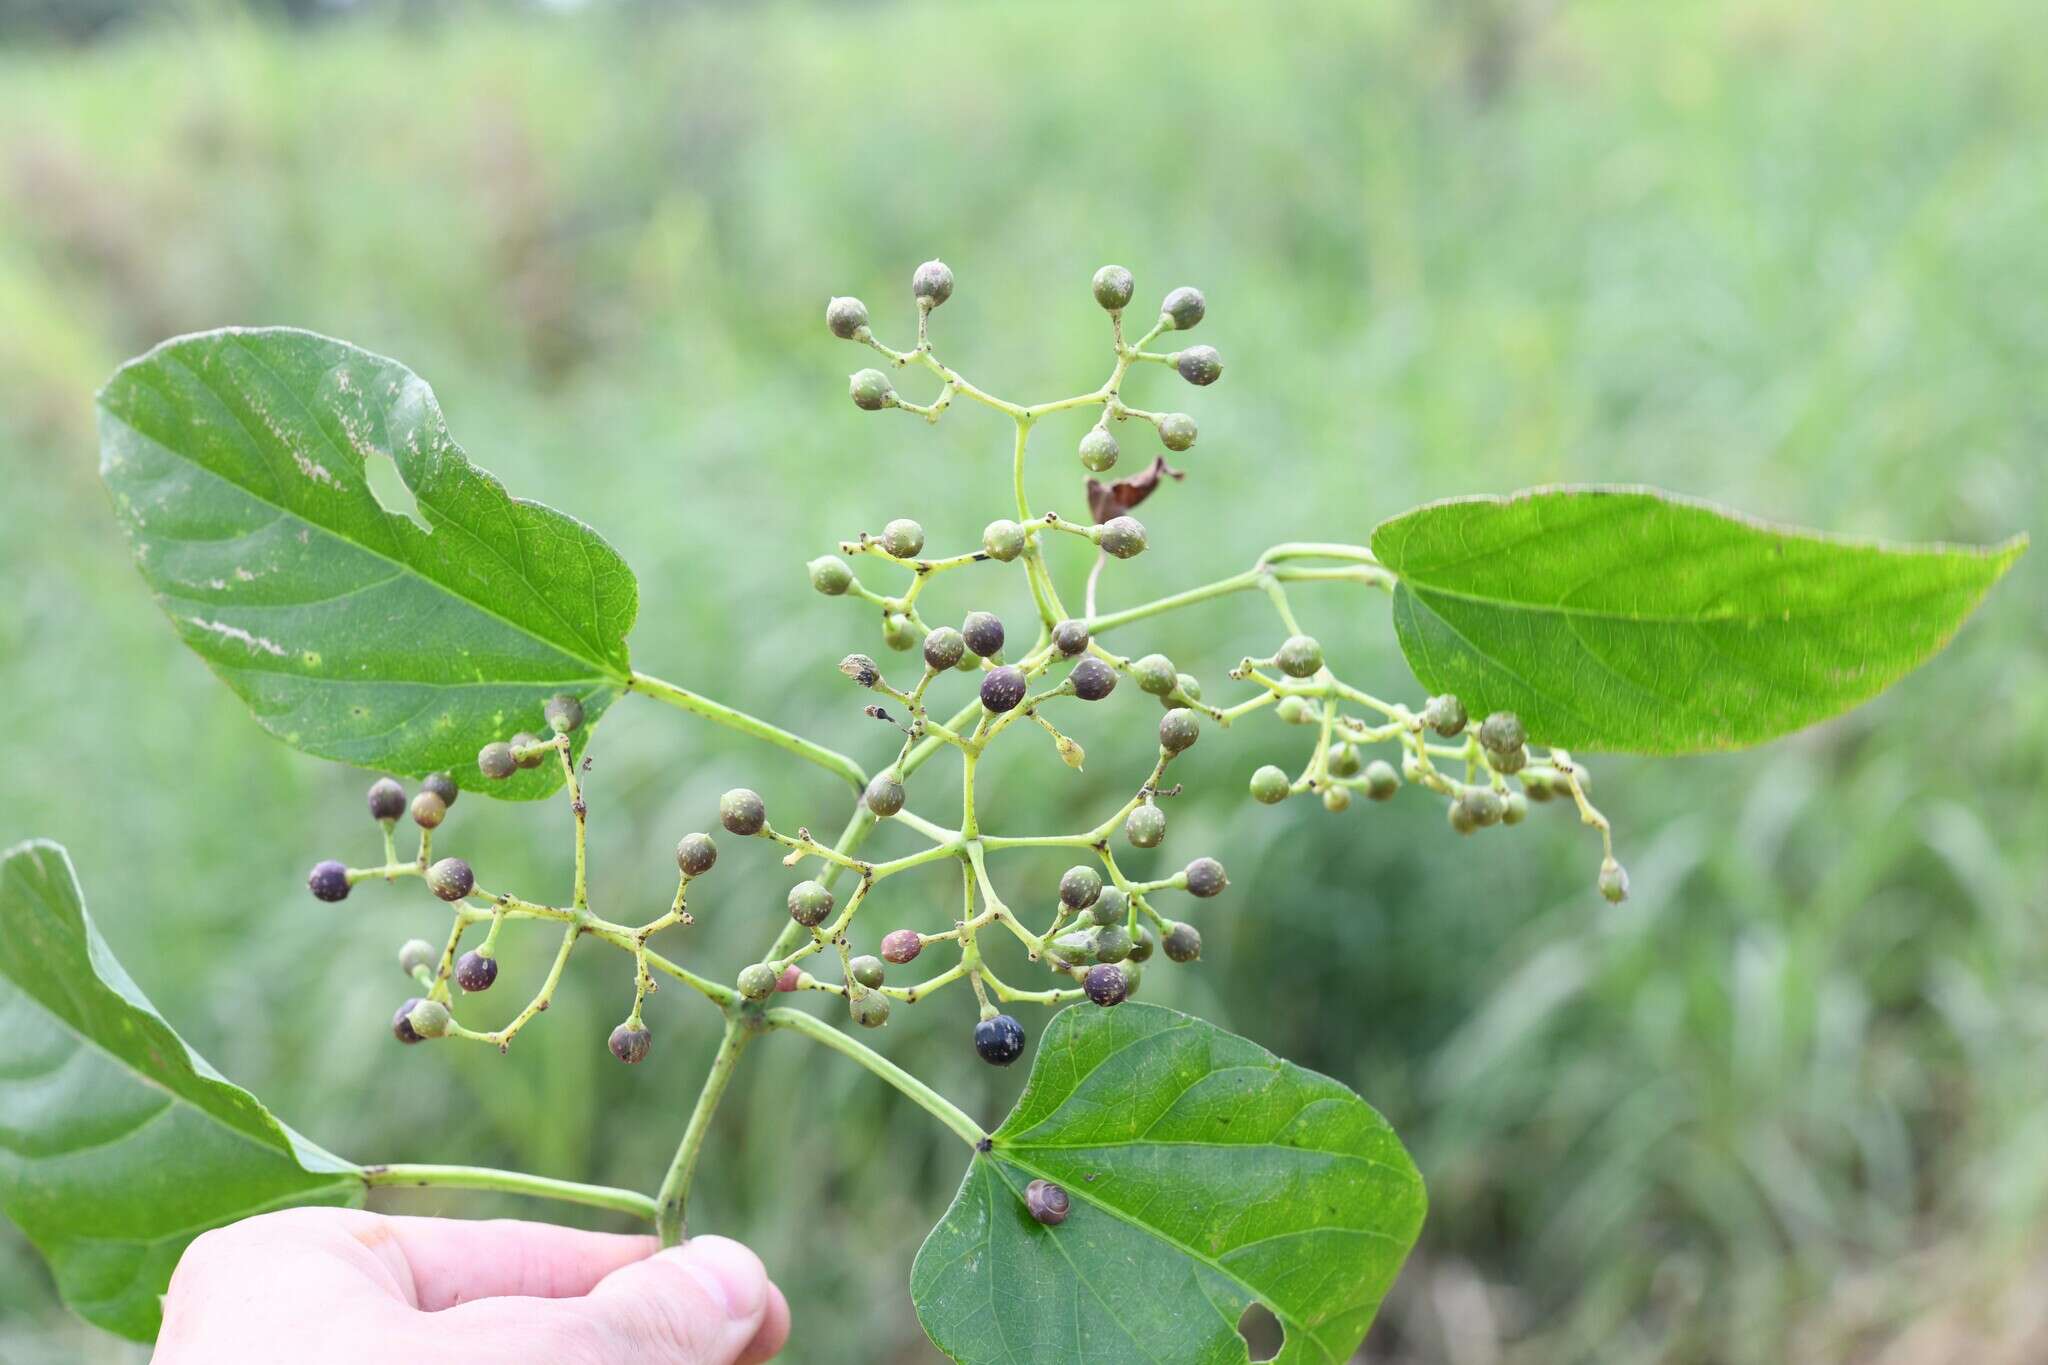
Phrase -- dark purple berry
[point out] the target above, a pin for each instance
(742, 811)
(1080, 886)
(943, 649)
(474, 972)
(1199, 365)
(983, 631)
(631, 1045)
(401, 1022)
(1000, 1040)
(1106, 984)
(1205, 877)
(387, 799)
(495, 761)
(1093, 679)
(1003, 689)
(328, 881)
(695, 854)
(1070, 637)
(451, 879)
(901, 945)
(1184, 307)
(1183, 943)
(443, 786)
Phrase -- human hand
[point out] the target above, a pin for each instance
(343, 1287)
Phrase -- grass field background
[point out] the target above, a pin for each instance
(1787, 1103)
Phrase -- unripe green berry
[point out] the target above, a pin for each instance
(1613, 881)
(932, 284)
(1345, 760)
(809, 903)
(1112, 943)
(1080, 887)
(757, 980)
(1106, 985)
(871, 390)
(387, 800)
(1177, 430)
(1270, 785)
(1092, 679)
(1514, 808)
(902, 538)
(901, 945)
(868, 971)
(416, 954)
(1381, 781)
(742, 812)
(983, 631)
(1178, 730)
(846, 317)
(563, 713)
(1540, 784)
(1483, 804)
(1509, 762)
(1185, 690)
(1070, 637)
(1145, 827)
(1114, 287)
(1199, 365)
(1003, 689)
(495, 761)
(1121, 537)
(533, 756)
(441, 785)
(897, 632)
(1183, 943)
(1003, 540)
(474, 972)
(1112, 906)
(870, 1009)
(1184, 307)
(451, 879)
(1501, 732)
(1296, 711)
(1144, 945)
(1075, 947)
(1445, 715)
(428, 810)
(943, 649)
(1336, 799)
(630, 1045)
(884, 795)
(829, 575)
(1155, 674)
(1205, 878)
(401, 1022)
(695, 854)
(328, 881)
(1460, 817)
(1299, 657)
(429, 1019)
(1099, 450)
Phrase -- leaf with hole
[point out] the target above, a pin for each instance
(1628, 619)
(1205, 1175)
(119, 1145)
(316, 536)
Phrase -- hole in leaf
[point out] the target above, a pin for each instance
(387, 486)
(1261, 1331)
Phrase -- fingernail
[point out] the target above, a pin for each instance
(730, 1274)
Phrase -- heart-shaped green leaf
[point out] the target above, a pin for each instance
(1627, 619)
(1204, 1173)
(118, 1145)
(253, 468)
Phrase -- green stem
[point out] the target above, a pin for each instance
(675, 1186)
(511, 1182)
(941, 1108)
(682, 698)
(1237, 582)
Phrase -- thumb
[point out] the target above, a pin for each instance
(702, 1303)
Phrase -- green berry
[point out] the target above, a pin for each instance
(451, 879)
(1112, 906)
(809, 903)
(417, 954)
(1133, 974)
(1080, 886)
(1121, 537)
(1183, 943)
(1501, 732)
(1155, 674)
(1003, 689)
(328, 881)
(757, 980)
(1270, 786)
(1185, 690)
(870, 1009)
(1075, 947)
(695, 854)
(1482, 804)
(1106, 985)
(1296, 711)
(983, 631)
(846, 317)
(901, 945)
(1299, 657)
(1381, 781)
(563, 713)
(1092, 679)
(387, 800)
(630, 1045)
(932, 284)
(1345, 761)
(1514, 808)
(1178, 730)
(1144, 945)
(475, 973)
(1206, 878)
(1460, 816)
(1046, 1202)
(526, 750)
(868, 971)
(897, 632)
(1112, 943)
(1540, 784)
(871, 390)
(1336, 800)
(401, 1022)
(1070, 637)
(443, 786)
(1114, 287)
(1613, 881)
(902, 538)
(1145, 827)
(429, 1019)
(1199, 365)
(1509, 763)
(1184, 307)
(1003, 540)
(884, 795)
(1099, 450)
(943, 649)
(742, 812)
(428, 810)
(829, 575)
(1445, 715)
(1177, 430)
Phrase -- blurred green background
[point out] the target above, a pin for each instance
(1787, 1103)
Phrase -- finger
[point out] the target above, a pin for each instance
(774, 1333)
(703, 1303)
(454, 1261)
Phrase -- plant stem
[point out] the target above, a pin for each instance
(511, 1182)
(941, 1108)
(682, 698)
(675, 1186)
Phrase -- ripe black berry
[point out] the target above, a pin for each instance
(631, 1045)
(1179, 729)
(1121, 537)
(884, 795)
(524, 745)
(1002, 540)
(1003, 688)
(1070, 637)
(328, 881)
(901, 945)
(1199, 365)
(695, 854)
(1145, 827)
(902, 538)
(871, 390)
(1299, 657)
(870, 1009)
(474, 972)
(742, 812)
(983, 631)
(1177, 430)
(1080, 886)
(1205, 877)
(1184, 307)
(809, 903)
(387, 800)
(1000, 1040)
(943, 649)
(401, 1022)
(829, 575)
(1099, 450)
(932, 285)
(1113, 287)
(868, 971)
(495, 761)
(563, 713)
(451, 879)
(428, 810)
(846, 317)
(1106, 985)
(1048, 1202)
(1183, 943)
(757, 980)
(1092, 679)
(1155, 674)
